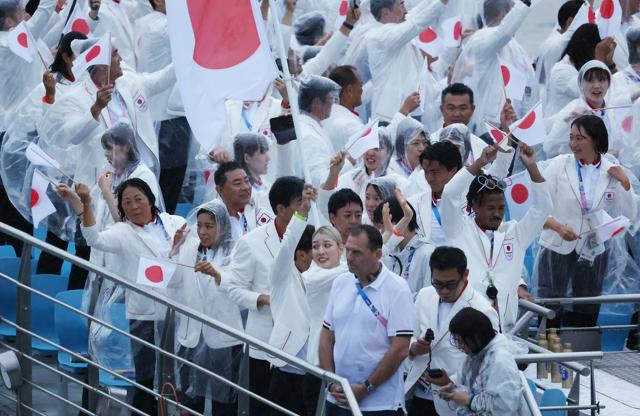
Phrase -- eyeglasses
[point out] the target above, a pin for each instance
(448, 285)
(455, 341)
(490, 182)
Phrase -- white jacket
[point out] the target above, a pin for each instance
(443, 354)
(289, 306)
(69, 125)
(130, 242)
(200, 292)
(316, 149)
(511, 241)
(562, 176)
(395, 63)
(561, 88)
(341, 125)
(249, 277)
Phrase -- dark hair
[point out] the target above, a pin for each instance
(342, 198)
(248, 144)
(567, 10)
(491, 9)
(396, 213)
(457, 88)
(444, 152)
(143, 187)
(118, 137)
(284, 190)
(310, 52)
(582, 45)
(7, 9)
(596, 129)
(373, 235)
(31, 7)
(597, 74)
(206, 211)
(473, 327)
(376, 7)
(64, 47)
(220, 176)
(445, 258)
(477, 191)
(344, 75)
(306, 240)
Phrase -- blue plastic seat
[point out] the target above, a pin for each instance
(533, 388)
(7, 252)
(121, 364)
(183, 209)
(72, 331)
(613, 340)
(8, 294)
(553, 397)
(42, 310)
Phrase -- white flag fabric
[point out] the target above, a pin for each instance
(585, 15)
(530, 128)
(39, 157)
(363, 140)
(498, 136)
(97, 54)
(77, 21)
(342, 13)
(220, 51)
(611, 228)
(609, 18)
(155, 272)
(21, 42)
(41, 206)
(518, 194)
(514, 81)
(452, 32)
(429, 42)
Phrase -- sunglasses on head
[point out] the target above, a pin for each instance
(490, 183)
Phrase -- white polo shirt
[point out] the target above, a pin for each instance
(361, 340)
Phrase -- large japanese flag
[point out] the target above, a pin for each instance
(363, 140)
(429, 42)
(514, 81)
(97, 54)
(21, 42)
(155, 272)
(452, 32)
(518, 194)
(609, 18)
(41, 206)
(220, 51)
(77, 21)
(530, 128)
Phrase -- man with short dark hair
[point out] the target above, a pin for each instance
(246, 211)
(430, 348)
(367, 328)
(248, 282)
(345, 211)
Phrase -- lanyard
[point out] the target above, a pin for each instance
(584, 203)
(371, 306)
(166, 234)
(436, 213)
(245, 119)
(405, 274)
(489, 260)
(245, 224)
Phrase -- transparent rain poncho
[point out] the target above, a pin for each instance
(206, 346)
(315, 86)
(408, 130)
(308, 28)
(459, 135)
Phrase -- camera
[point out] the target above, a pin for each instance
(435, 372)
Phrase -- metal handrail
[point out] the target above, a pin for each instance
(535, 307)
(31, 241)
(558, 357)
(532, 404)
(582, 369)
(627, 298)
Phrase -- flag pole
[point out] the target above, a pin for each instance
(293, 97)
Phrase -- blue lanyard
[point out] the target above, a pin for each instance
(436, 213)
(245, 224)
(405, 274)
(245, 119)
(166, 234)
(584, 203)
(371, 306)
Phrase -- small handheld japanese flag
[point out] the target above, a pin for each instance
(530, 128)
(41, 206)
(610, 229)
(39, 157)
(363, 140)
(514, 81)
(21, 42)
(609, 18)
(518, 194)
(155, 272)
(452, 32)
(585, 15)
(97, 54)
(77, 21)
(429, 42)
(498, 136)
(342, 13)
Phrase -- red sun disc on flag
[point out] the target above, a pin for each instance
(528, 121)
(627, 123)
(366, 133)
(618, 231)
(35, 197)
(428, 35)
(506, 75)
(207, 175)
(93, 53)
(591, 16)
(606, 9)
(497, 135)
(154, 274)
(80, 25)
(457, 30)
(225, 32)
(344, 6)
(23, 40)
(519, 193)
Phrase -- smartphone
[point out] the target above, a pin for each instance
(435, 372)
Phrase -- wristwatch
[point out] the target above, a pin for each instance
(370, 387)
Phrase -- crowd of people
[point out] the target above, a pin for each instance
(400, 269)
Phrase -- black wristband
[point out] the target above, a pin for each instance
(347, 25)
(612, 66)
